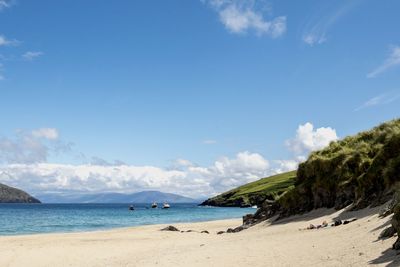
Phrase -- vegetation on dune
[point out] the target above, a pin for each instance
(255, 193)
(363, 169)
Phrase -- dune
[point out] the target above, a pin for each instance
(282, 243)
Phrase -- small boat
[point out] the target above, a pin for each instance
(131, 207)
(154, 205)
(166, 205)
(254, 207)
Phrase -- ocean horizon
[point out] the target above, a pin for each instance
(22, 219)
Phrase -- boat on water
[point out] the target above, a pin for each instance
(254, 207)
(166, 205)
(154, 205)
(131, 207)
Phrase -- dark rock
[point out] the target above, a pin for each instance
(387, 233)
(170, 228)
(239, 229)
(205, 232)
(13, 195)
(386, 211)
(349, 221)
(248, 219)
(338, 222)
(220, 232)
(396, 244)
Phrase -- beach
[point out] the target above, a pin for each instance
(282, 243)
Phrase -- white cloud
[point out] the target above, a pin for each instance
(286, 165)
(30, 147)
(47, 133)
(307, 139)
(192, 181)
(23, 164)
(392, 61)
(382, 99)
(184, 163)
(31, 55)
(316, 31)
(243, 16)
(314, 38)
(7, 42)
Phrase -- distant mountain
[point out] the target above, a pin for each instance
(140, 197)
(13, 195)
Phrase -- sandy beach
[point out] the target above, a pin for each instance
(283, 243)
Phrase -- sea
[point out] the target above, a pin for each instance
(21, 219)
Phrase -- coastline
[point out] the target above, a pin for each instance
(284, 243)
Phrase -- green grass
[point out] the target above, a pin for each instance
(364, 168)
(257, 192)
(268, 185)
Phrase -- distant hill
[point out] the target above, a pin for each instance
(140, 197)
(255, 193)
(13, 195)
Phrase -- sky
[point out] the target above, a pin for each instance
(189, 97)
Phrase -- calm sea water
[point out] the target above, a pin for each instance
(16, 219)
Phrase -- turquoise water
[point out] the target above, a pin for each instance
(17, 219)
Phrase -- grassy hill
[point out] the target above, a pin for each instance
(362, 170)
(255, 193)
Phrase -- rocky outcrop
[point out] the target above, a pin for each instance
(170, 228)
(13, 195)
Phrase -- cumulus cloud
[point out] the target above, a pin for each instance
(184, 163)
(191, 180)
(31, 55)
(393, 60)
(281, 166)
(243, 16)
(47, 133)
(23, 164)
(307, 139)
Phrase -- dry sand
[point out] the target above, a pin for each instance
(266, 244)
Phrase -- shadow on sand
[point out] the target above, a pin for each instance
(389, 256)
(344, 214)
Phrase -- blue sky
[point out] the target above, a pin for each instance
(177, 85)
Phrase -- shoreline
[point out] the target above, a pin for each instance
(121, 228)
(282, 243)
